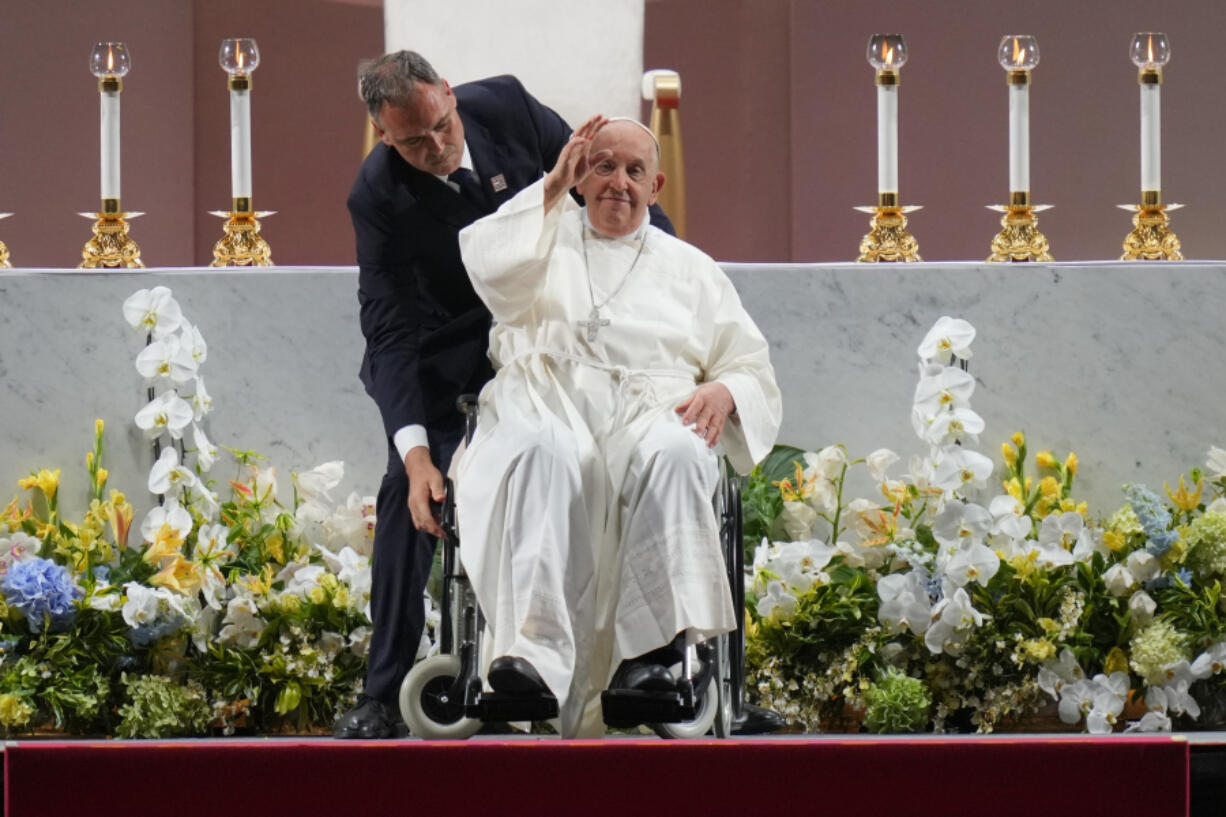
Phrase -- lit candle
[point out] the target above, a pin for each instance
(887, 53)
(1018, 54)
(109, 62)
(1149, 52)
(239, 57)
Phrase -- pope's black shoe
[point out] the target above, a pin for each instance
(757, 720)
(369, 720)
(643, 676)
(512, 675)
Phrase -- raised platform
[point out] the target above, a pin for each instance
(1004, 776)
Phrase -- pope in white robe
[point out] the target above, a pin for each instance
(623, 356)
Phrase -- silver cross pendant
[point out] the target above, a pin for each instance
(593, 323)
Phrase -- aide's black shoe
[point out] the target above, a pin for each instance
(757, 720)
(512, 675)
(369, 720)
(643, 676)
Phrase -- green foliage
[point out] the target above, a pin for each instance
(896, 703)
(158, 707)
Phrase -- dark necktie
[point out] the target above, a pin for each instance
(470, 188)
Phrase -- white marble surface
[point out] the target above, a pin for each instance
(1119, 362)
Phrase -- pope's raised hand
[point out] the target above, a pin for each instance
(573, 163)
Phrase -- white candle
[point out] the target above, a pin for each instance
(887, 139)
(1019, 138)
(240, 142)
(110, 144)
(1151, 136)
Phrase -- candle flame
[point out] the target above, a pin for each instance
(888, 56)
(110, 59)
(1019, 54)
(240, 60)
(1150, 40)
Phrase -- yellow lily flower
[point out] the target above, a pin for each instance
(1182, 499)
(166, 544)
(1070, 463)
(1010, 454)
(46, 481)
(1045, 459)
(178, 574)
(1019, 439)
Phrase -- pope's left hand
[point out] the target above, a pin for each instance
(707, 409)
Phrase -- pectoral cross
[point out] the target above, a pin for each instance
(593, 323)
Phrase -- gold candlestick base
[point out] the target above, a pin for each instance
(1151, 238)
(111, 246)
(888, 239)
(1020, 240)
(4, 251)
(242, 245)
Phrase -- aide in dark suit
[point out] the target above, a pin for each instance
(426, 331)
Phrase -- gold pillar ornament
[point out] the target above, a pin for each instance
(1151, 238)
(110, 246)
(888, 239)
(241, 244)
(4, 251)
(662, 88)
(1019, 239)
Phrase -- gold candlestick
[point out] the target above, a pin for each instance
(4, 251)
(242, 245)
(888, 239)
(1020, 239)
(110, 246)
(1151, 238)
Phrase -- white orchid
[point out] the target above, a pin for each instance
(953, 619)
(953, 426)
(878, 462)
(166, 359)
(202, 403)
(943, 389)
(242, 625)
(947, 338)
(167, 412)
(168, 475)
(778, 602)
(961, 523)
(1216, 462)
(192, 343)
(1009, 517)
(206, 452)
(1211, 661)
(17, 547)
(170, 513)
(142, 604)
(154, 311)
(1054, 675)
(957, 468)
(904, 602)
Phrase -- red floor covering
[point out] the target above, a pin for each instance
(998, 776)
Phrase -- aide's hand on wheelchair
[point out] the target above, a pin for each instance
(426, 491)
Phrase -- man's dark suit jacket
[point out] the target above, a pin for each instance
(426, 330)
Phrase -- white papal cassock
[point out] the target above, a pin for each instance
(584, 505)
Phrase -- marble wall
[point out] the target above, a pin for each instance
(1115, 361)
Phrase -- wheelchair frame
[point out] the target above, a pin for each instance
(442, 697)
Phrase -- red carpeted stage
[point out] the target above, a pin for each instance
(1003, 776)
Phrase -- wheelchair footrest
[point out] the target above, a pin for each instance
(627, 708)
(498, 706)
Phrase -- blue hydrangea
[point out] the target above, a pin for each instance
(1154, 518)
(44, 591)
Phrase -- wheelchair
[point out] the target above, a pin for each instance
(443, 696)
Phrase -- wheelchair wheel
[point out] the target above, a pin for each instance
(704, 715)
(725, 687)
(424, 704)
